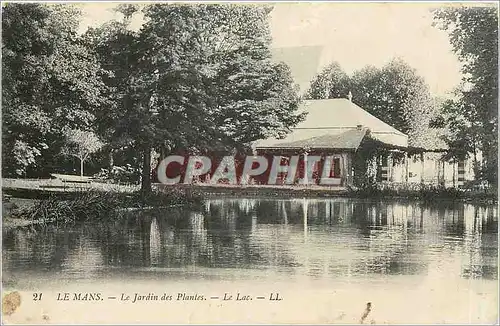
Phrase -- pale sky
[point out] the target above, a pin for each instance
(355, 35)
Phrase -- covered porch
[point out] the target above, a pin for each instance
(339, 149)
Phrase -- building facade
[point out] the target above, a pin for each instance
(364, 148)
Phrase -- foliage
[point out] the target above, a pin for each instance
(424, 192)
(194, 78)
(117, 53)
(95, 205)
(394, 93)
(87, 205)
(331, 82)
(463, 135)
(227, 91)
(120, 174)
(23, 156)
(50, 80)
(473, 115)
(81, 144)
(367, 157)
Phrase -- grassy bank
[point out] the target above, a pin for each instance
(37, 189)
(387, 191)
(269, 191)
(427, 193)
(94, 205)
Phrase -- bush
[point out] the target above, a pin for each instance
(423, 192)
(95, 205)
(120, 174)
(85, 205)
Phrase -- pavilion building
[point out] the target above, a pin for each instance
(363, 147)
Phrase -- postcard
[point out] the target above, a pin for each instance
(249, 162)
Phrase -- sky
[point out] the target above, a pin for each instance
(354, 35)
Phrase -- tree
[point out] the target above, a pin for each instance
(196, 78)
(397, 95)
(123, 123)
(81, 144)
(50, 81)
(227, 85)
(331, 82)
(116, 50)
(473, 115)
(394, 93)
(462, 136)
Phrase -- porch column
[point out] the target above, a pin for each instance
(306, 178)
(385, 168)
(422, 158)
(407, 172)
(454, 169)
(461, 173)
(343, 170)
(443, 176)
(305, 207)
(349, 169)
(321, 166)
(390, 168)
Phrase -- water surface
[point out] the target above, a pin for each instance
(415, 263)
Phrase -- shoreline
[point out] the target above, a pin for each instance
(424, 195)
(9, 223)
(29, 196)
(277, 191)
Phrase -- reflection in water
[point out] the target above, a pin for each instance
(305, 208)
(303, 238)
(154, 242)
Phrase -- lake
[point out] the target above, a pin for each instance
(298, 260)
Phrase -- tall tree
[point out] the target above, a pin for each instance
(50, 81)
(217, 88)
(228, 92)
(198, 77)
(394, 93)
(473, 115)
(331, 82)
(397, 95)
(116, 47)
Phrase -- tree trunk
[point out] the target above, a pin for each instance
(81, 168)
(146, 170)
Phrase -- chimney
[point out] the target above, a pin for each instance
(349, 96)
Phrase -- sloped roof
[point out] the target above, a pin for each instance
(302, 60)
(333, 117)
(350, 139)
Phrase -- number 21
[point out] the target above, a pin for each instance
(37, 296)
